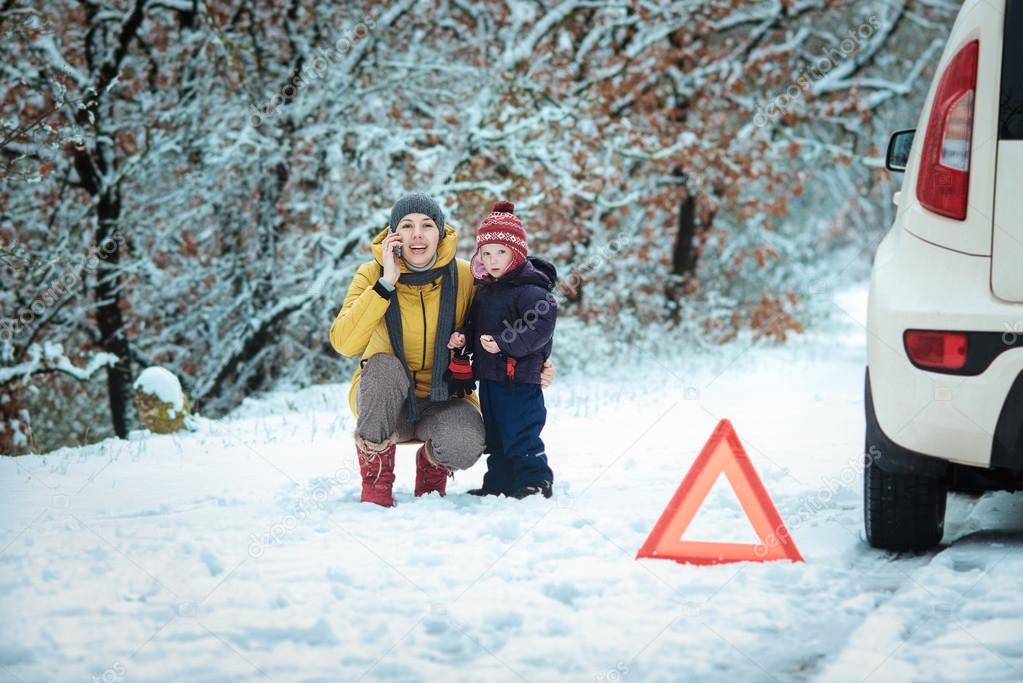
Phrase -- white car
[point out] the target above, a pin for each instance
(944, 386)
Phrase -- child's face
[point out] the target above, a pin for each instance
(496, 259)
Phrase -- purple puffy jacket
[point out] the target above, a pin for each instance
(518, 311)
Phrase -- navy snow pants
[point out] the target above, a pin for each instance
(514, 415)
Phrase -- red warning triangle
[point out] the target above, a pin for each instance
(723, 453)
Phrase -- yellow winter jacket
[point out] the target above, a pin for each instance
(360, 329)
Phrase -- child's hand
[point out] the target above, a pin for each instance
(488, 344)
(456, 341)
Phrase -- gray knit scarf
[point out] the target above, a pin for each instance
(445, 326)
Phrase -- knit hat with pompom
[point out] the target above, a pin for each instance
(502, 227)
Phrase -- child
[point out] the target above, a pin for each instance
(510, 332)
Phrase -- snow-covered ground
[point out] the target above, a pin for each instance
(240, 552)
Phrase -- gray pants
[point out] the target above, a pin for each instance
(454, 428)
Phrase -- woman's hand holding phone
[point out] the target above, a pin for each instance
(392, 267)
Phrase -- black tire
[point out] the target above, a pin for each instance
(902, 512)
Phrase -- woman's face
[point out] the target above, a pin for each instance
(496, 259)
(419, 239)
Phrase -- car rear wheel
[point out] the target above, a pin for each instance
(903, 512)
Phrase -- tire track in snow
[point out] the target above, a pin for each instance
(959, 604)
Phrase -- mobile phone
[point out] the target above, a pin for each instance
(397, 250)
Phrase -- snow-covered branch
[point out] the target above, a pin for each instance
(50, 357)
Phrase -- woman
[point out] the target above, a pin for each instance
(399, 312)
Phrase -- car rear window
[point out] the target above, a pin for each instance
(1010, 109)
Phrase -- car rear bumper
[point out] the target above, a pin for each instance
(951, 417)
(1007, 449)
(889, 455)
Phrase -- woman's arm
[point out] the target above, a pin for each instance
(364, 307)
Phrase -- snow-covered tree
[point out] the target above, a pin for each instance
(190, 183)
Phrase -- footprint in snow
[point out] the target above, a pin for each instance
(212, 562)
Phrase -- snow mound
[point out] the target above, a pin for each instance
(163, 384)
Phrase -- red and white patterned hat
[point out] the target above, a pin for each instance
(502, 227)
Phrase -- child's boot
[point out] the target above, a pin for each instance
(483, 492)
(498, 478)
(543, 487)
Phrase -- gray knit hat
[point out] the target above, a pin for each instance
(417, 202)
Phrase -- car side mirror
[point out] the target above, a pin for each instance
(899, 146)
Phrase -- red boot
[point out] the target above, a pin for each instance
(429, 476)
(377, 471)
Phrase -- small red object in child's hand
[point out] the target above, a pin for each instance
(460, 367)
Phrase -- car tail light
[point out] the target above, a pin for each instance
(939, 350)
(943, 183)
